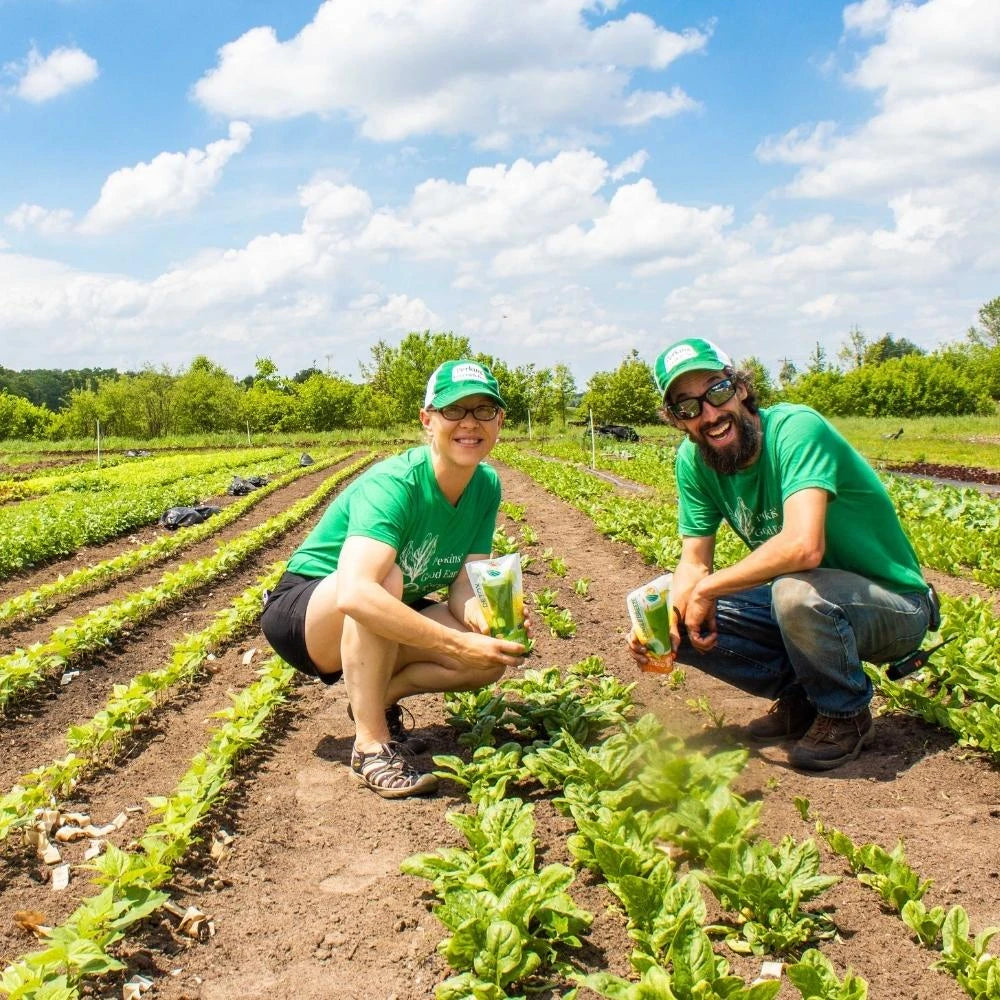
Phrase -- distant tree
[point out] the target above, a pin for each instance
(21, 419)
(307, 373)
(627, 395)
(852, 353)
(761, 378)
(564, 389)
(401, 373)
(888, 347)
(787, 374)
(817, 360)
(326, 402)
(989, 316)
(205, 398)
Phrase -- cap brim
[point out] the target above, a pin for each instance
(456, 392)
(691, 365)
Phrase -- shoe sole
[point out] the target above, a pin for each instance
(775, 737)
(427, 784)
(828, 765)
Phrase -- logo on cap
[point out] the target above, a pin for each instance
(468, 373)
(680, 353)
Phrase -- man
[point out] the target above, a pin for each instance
(831, 578)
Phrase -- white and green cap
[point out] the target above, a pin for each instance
(454, 380)
(690, 355)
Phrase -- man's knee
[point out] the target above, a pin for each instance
(794, 600)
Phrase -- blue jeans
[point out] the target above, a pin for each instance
(812, 629)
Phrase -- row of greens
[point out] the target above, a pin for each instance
(25, 669)
(653, 821)
(97, 740)
(50, 527)
(131, 881)
(901, 890)
(49, 596)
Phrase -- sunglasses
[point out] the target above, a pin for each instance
(484, 411)
(717, 395)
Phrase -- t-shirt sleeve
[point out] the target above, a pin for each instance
(698, 514)
(379, 510)
(483, 539)
(806, 451)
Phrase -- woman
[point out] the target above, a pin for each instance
(353, 600)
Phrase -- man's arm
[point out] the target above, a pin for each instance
(798, 546)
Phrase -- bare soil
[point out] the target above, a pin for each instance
(309, 902)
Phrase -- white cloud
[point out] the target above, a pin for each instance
(41, 78)
(934, 71)
(459, 67)
(630, 165)
(46, 221)
(169, 183)
(868, 17)
(637, 228)
(800, 145)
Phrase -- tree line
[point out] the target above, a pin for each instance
(883, 377)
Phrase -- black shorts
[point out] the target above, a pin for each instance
(283, 622)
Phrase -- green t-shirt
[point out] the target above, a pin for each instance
(399, 502)
(800, 450)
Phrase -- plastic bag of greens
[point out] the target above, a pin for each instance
(497, 584)
(651, 613)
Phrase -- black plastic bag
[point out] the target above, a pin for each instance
(306, 459)
(241, 486)
(184, 517)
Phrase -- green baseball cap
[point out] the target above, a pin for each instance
(692, 354)
(455, 380)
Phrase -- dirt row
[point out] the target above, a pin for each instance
(309, 900)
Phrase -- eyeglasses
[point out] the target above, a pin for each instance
(483, 411)
(717, 395)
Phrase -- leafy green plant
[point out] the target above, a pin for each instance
(703, 706)
(816, 979)
(766, 885)
(582, 587)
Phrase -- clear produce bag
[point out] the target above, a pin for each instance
(651, 612)
(497, 584)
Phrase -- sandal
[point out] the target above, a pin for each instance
(398, 733)
(388, 772)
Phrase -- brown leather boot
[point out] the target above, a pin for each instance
(787, 719)
(831, 742)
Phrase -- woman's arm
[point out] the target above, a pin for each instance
(364, 564)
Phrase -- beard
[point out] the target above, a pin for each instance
(729, 460)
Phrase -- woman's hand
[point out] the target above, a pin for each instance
(484, 652)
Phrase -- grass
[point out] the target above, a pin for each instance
(973, 441)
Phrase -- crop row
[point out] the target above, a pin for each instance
(23, 670)
(55, 526)
(641, 806)
(80, 947)
(49, 596)
(98, 739)
(159, 471)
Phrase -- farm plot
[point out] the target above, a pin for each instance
(305, 893)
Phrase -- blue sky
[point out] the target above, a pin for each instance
(560, 181)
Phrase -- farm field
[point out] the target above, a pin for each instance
(297, 869)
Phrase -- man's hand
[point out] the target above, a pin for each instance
(699, 620)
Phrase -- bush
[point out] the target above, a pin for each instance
(911, 386)
(22, 419)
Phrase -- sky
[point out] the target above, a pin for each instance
(558, 180)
